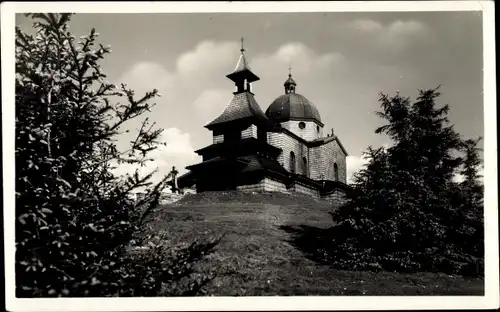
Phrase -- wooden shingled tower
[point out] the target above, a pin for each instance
(240, 153)
(243, 106)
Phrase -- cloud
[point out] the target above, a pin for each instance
(302, 59)
(365, 25)
(458, 177)
(210, 103)
(178, 152)
(206, 59)
(200, 72)
(394, 37)
(354, 164)
(145, 76)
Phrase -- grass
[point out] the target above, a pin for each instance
(264, 262)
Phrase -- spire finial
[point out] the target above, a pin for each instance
(290, 70)
(242, 48)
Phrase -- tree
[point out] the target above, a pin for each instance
(75, 217)
(406, 212)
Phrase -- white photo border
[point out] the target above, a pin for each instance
(489, 300)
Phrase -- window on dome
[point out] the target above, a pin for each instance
(302, 125)
(317, 128)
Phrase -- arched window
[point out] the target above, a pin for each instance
(292, 162)
(336, 171)
(304, 167)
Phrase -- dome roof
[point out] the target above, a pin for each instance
(293, 106)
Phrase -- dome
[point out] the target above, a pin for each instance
(292, 106)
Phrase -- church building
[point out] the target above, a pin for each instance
(284, 149)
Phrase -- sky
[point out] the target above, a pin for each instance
(340, 61)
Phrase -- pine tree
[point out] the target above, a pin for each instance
(399, 215)
(468, 217)
(75, 216)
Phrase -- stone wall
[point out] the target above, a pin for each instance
(289, 144)
(250, 132)
(274, 186)
(269, 185)
(265, 185)
(320, 159)
(258, 187)
(323, 159)
(299, 188)
(337, 197)
(309, 133)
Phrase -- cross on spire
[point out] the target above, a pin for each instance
(242, 48)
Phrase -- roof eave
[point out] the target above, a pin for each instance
(308, 119)
(246, 73)
(341, 146)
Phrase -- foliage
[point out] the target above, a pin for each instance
(406, 212)
(75, 216)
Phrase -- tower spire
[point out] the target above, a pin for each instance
(290, 84)
(242, 47)
(242, 75)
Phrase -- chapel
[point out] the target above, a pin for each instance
(284, 149)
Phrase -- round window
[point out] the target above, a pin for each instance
(302, 125)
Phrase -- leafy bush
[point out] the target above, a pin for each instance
(406, 212)
(75, 216)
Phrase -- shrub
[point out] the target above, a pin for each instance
(75, 218)
(407, 212)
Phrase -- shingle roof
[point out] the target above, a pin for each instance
(255, 163)
(242, 71)
(325, 140)
(221, 147)
(216, 161)
(243, 105)
(242, 64)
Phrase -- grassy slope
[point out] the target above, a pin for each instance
(266, 263)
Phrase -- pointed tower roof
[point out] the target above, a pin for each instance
(243, 105)
(242, 64)
(242, 70)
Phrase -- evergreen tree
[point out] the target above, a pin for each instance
(406, 213)
(75, 216)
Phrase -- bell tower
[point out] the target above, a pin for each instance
(242, 76)
(290, 84)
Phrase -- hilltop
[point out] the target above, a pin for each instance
(259, 250)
